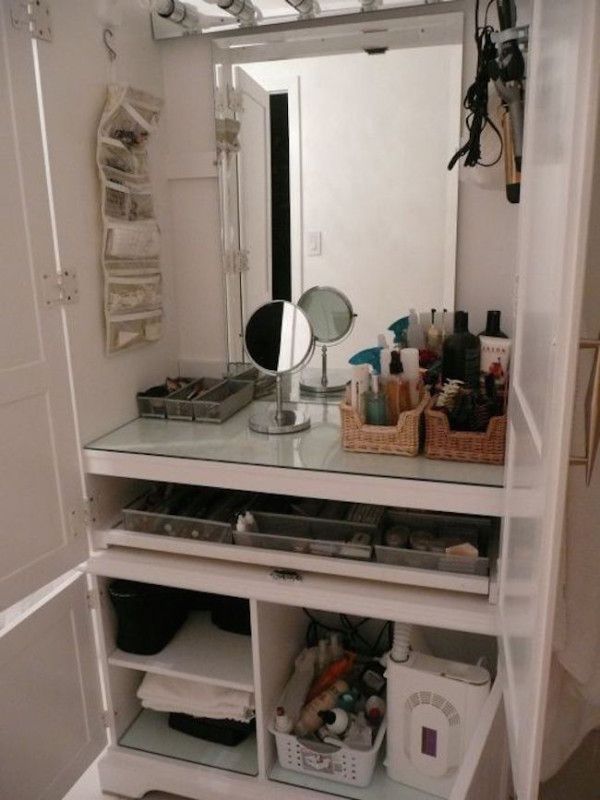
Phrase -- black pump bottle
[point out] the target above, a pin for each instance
(460, 355)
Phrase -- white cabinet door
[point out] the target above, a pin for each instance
(484, 772)
(52, 726)
(560, 134)
(255, 191)
(42, 530)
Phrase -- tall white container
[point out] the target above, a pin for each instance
(432, 710)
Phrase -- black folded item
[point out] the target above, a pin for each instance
(229, 732)
(231, 614)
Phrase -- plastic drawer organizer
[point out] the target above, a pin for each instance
(140, 517)
(395, 537)
(202, 400)
(323, 537)
(419, 539)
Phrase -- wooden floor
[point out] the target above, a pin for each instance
(579, 779)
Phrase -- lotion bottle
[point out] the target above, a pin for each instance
(415, 331)
(410, 365)
(310, 721)
(492, 326)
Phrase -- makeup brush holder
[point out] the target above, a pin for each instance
(480, 448)
(402, 439)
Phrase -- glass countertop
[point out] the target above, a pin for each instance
(316, 449)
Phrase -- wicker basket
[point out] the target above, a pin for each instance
(480, 448)
(402, 439)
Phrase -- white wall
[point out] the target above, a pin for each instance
(190, 128)
(376, 133)
(487, 223)
(75, 71)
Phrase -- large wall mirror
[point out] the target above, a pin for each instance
(333, 168)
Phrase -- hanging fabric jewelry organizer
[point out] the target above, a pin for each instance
(131, 236)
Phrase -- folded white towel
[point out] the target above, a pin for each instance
(166, 694)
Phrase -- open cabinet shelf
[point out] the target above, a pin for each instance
(198, 652)
(312, 463)
(150, 732)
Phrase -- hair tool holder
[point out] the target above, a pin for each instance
(279, 340)
(332, 318)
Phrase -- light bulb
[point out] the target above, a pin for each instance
(243, 10)
(305, 8)
(182, 13)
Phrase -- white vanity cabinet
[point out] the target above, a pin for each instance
(54, 714)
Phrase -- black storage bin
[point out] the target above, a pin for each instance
(231, 614)
(221, 731)
(148, 616)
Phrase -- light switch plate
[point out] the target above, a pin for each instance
(313, 243)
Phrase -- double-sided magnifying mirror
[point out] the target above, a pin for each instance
(279, 340)
(332, 318)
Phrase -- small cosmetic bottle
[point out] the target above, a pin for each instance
(410, 364)
(376, 404)
(434, 335)
(392, 388)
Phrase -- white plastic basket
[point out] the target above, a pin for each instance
(341, 764)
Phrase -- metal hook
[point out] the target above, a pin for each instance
(107, 35)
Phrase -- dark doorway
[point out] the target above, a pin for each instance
(280, 198)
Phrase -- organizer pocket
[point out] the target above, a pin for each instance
(128, 330)
(135, 293)
(124, 202)
(132, 240)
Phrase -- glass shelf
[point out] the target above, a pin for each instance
(318, 449)
(150, 733)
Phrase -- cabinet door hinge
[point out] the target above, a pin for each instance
(60, 288)
(32, 16)
(90, 599)
(228, 101)
(89, 511)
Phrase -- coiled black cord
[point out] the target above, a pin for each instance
(476, 98)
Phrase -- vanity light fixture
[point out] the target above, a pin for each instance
(306, 8)
(244, 11)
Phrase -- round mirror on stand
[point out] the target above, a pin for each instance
(279, 340)
(332, 318)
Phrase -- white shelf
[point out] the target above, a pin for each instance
(310, 463)
(199, 652)
(150, 733)
(419, 606)
(380, 788)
